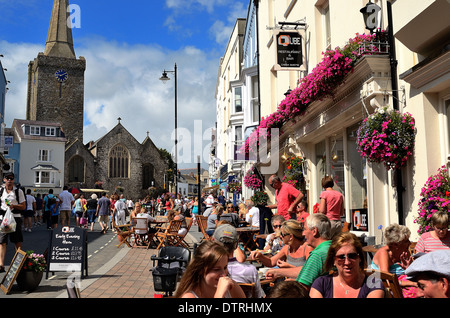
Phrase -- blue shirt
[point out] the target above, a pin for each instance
(104, 206)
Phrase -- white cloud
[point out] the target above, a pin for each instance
(123, 81)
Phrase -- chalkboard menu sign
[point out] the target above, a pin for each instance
(14, 270)
(67, 250)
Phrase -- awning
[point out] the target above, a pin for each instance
(94, 190)
(45, 168)
(211, 188)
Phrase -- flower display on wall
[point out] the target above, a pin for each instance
(293, 173)
(260, 198)
(234, 187)
(435, 197)
(319, 84)
(252, 180)
(387, 136)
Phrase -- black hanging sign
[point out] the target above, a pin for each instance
(67, 250)
(290, 51)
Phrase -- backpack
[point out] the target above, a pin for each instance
(50, 201)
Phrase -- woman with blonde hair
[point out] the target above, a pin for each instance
(291, 257)
(206, 276)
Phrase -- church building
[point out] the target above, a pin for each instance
(56, 93)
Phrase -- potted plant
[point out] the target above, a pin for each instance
(234, 187)
(435, 197)
(387, 136)
(252, 180)
(32, 271)
(293, 173)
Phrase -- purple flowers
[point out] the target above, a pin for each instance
(321, 83)
(388, 137)
(252, 181)
(435, 197)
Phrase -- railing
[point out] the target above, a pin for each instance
(373, 48)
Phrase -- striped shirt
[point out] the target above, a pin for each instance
(313, 266)
(427, 243)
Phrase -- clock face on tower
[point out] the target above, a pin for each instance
(61, 75)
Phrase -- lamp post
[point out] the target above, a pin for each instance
(372, 20)
(164, 78)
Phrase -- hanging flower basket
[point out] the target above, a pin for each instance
(234, 187)
(260, 198)
(251, 180)
(293, 173)
(435, 197)
(387, 137)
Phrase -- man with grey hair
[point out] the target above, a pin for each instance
(317, 234)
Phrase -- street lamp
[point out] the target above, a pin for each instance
(371, 16)
(164, 78)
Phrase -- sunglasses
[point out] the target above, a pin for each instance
(276, 226)
(9, 178)
(349, 256)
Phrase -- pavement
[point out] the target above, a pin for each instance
(116, 272)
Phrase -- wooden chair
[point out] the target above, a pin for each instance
(248, 289)
(202, 224)
(123, 232)
(181, 238)
(390, 282)
(168, 236)
(141, 233)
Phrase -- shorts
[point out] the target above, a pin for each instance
(65, 214)
(28, 213)
(38, 212)
(54, 219)
(14, 237)
(103, 218)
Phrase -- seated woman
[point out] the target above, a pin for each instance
(176, 215)
(213, 218)
(206, 275)
(436, 239)
(395, 257)
(349, 280)
(291, 257)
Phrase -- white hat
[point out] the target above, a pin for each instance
(437, 262)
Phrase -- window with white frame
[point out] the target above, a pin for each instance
(50, 131)
(45, 155)
(255, 99)
(35, 130)
(237, 99)
(447, 112)
(44, 177)
(326, 25)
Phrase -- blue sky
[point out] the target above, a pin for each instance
(127, 45)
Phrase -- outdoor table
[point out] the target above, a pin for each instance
(246, 236)
(370, 251)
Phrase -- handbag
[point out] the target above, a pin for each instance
(83, 221)
(8, 223)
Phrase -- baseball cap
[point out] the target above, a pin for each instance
(225, 232)
(437, 262)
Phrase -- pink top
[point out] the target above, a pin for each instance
(285, 196)
(333, 201)
(427, 243)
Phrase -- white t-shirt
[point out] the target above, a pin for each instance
(30, 200)
(252, 217)
(11, 196)
(66, 200)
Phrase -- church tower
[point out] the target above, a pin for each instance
(56, 78)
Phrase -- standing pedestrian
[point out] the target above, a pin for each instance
(49, 208)
(78, 208)
(15, 199)
(120, 212)
(91, 207)
(38, 217)
(67, 200)
(332, 205)
(103, 211)
(286, 196)
(29, 211)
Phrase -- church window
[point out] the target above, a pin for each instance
(119, 160)
(76, 169)
(148, 178)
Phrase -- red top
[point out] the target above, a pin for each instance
(333, 201)
(285, 196)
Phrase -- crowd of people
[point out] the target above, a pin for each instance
(312, 256)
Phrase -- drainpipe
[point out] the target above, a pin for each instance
(394, 84)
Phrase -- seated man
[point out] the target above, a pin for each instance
(240, 272)
(150, 231)
(432, 274)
